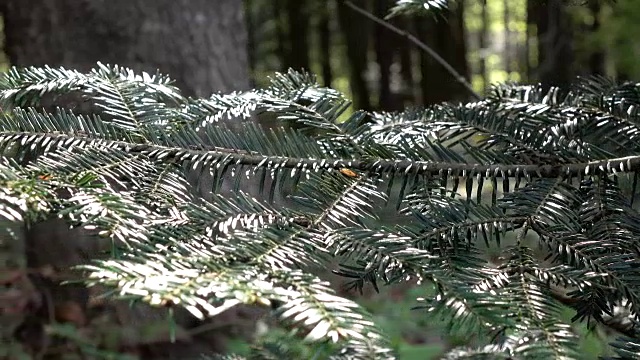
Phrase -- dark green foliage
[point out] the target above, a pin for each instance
(438, 7)
(404, 7)
(545, 178)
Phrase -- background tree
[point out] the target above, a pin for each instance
(356, 34)
(203, 44)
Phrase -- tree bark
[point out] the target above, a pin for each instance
(200, 43)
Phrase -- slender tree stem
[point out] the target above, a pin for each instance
(461, 79)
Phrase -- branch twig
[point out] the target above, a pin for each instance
(242, 157)
(611, 323)
(459, 78)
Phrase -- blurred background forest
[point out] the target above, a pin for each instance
(487, 41)
(224, 45)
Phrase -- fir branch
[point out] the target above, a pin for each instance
(242, 157)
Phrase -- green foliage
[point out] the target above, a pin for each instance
(438, 7)
(404, 7)
(555, 165)
(616, 35)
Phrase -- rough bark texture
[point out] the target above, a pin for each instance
(200, 43)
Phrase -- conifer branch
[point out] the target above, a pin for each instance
(229, 248)
(243, 157)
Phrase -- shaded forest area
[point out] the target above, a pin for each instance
(486, 41)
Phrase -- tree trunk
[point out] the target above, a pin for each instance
(447, 39)
(406, 66)
(297, 19)
(507, 40)
(555, 44)
(355, 30)
(433, 79)
(324, 34)
(283, 47)
(484, 48)
(200, 43)
(597, 57)
(458, 44)
(531, 21)
(384, 57)
(251, 41)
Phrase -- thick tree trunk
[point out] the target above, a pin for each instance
(200, 43)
